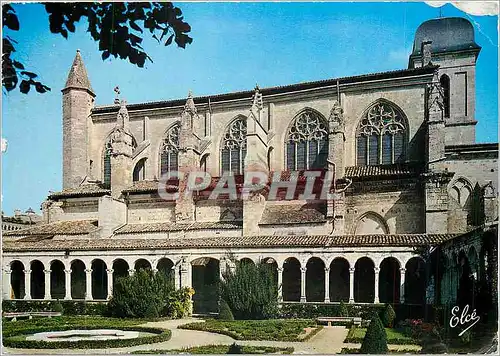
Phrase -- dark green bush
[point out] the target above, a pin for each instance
(375, 341)
(251, 291)
(387, 316)
(234, 349)
(57, 307)
(148, 295)
(70, 307)
(225, 312)
(343, 309)
(294, 310)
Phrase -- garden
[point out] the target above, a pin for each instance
(145, 306)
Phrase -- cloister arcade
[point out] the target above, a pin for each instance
(353, 278)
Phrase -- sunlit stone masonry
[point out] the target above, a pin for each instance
(413, 218)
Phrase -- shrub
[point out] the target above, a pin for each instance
(375, 341)
(57, 307)
(432, 343)
(343, 309)
(388, 316)
(234, 349)
(225, 312)
(70, 307)
(148, 295)
(251, 291)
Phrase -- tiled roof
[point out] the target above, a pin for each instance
(169, 226)
(394, 170)
(230, 242)
(148, 186)
(84, 190)
(274, 90)
(76, 227)
(292, 214)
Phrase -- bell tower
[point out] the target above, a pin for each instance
(78, 101)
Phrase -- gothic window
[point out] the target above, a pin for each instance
(307, 142)
(169, 151)
(445, 85)
(139, 170)
(381, 136)
(461, 191)
(234, 147)
(107, 164)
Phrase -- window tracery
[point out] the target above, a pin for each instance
(381, 136)
(234, 147)
(307, 142)
(169, 152)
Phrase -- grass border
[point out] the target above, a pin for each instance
(161, 335)
(350, 339)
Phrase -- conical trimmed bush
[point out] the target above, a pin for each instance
(375, 341)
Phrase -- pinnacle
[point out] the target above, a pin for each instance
(77, 77)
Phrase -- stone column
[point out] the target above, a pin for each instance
(377, 270)
(327, 285)
(184, 272)
(351, 284)
(27, 284)
(131, 272)
(154, 270)
(280, 284)
(88, 284)
(6, 283)
(110, 282)
(402, 284)
(67, 280)
(177, 276)
(47, 284)
(303, 271)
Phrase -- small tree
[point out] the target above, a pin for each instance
(144, 294)
(343, 309)
(388, 316)
(251, 291)
(234, 349)
(225, 312)
(375, 341)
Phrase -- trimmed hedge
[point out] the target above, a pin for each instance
(352, 338)
(70, 307)
(219, 350)
(293, 310)
(9, 339)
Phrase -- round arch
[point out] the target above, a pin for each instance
(315, 280)
(99, 279)
(17, 279)
(414, 285)
(389, 281)
(339, 280)
(57, 279)
(37, 280)
(205, 276)
(364, 280)
(78, 279)
(291, 280)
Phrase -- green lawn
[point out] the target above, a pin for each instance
(356, 335)
(275, 330)
(219, 350)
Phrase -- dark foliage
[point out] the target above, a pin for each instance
(388, 315)
(142, 295)
(343, 309)
(70, 307)
(225, 312)
(251, 292)
(375, 341)
(234, 349)
(117, 27)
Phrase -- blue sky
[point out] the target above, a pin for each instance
(236, 45)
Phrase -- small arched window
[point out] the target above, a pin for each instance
(169, 152)
(445, 85)
(381, 136)
(139, 170)
(307, 142)
(234, 147)
(108, 150)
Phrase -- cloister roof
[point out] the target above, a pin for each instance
(321, 241)
(394, 170)
(87, 190)
(169, 226)
(292, 214)
(78, 227)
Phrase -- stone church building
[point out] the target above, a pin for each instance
(411, 186)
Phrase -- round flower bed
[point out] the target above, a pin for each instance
(17, 338)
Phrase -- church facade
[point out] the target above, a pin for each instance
(410, 186)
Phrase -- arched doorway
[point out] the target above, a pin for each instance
(142, 264)
(205, 281)
(165, 267)
(339, 280)
(99, 280)
(37, 280)
(17, 280)
(78, 280)
(315, 280)
(57, 280)
(414, 286)
(364, 281)
(291, 280)
(389, 281)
